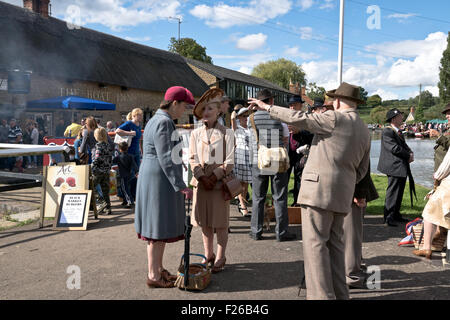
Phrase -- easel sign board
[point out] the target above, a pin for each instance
(63, 178)
(73, 210)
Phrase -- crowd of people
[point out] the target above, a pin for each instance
(326, 146)
(28, 132)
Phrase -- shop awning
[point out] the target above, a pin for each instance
(71, 102)
(437, 121)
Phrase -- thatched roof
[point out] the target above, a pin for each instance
(48, 47)
(224, 73)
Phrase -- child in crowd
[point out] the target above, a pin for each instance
(127, 166)
(101, 165)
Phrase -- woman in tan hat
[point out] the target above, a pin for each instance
(211, 157)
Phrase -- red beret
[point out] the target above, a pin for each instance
(179, 94)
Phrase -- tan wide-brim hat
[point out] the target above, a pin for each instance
(346, 91)
(211, 96)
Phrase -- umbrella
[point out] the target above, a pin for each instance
(187, 238)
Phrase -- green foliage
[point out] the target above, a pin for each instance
(444, 75)
(189, 48)
(280, 72)
(363, 94)
(435, 112)
(315, 92)
(378, 115)
(419, 116)
(426, 99)
(374, 100)
(376, 206)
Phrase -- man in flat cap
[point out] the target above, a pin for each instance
(338, 159)
(395, 157)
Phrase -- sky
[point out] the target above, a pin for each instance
(390, 47)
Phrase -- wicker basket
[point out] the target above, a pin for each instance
(437, 244)
(199, 275)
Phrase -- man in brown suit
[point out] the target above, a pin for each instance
(338, 159)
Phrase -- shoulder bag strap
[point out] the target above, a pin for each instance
(252, 120)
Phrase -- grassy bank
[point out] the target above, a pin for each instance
(375, 207)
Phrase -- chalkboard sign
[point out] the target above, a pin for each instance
(73, 210)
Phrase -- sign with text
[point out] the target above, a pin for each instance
(73, 210)
(63, 178)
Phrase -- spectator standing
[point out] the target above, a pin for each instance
(224, 106)
(4, 131)
(242, 162)
(297, 138)
(160, 207)
(133, 128)
(395, 157)
(266, 132)
(60, 128)
(73, 129)
(87, 148)
(339, 158)
(127, 166)
(209, 167)
(101, 165)
(110, 127)
(15, 136)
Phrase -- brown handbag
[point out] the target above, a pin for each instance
(231, 186)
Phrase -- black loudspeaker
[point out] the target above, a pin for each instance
(18, 82)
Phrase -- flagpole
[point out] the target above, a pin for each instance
(341, 41)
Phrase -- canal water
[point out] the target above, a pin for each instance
(423, 166)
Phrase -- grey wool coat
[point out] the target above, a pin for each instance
(159, 210)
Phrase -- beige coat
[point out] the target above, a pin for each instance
(338, 158)
(206, 157)
(206, 153)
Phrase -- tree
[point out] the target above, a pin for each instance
(189, 48)
(374, 101)
(363, 95)
(314, 92)
(426, 99)
(280, 72)
(378, 115)
(444, 75)
(419, 116)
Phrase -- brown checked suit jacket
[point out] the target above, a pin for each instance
(338, 159)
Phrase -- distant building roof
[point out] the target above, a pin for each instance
(48, 47)
(224, 73)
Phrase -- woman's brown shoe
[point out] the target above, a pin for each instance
(210, 261)
(161, 283)
(167, 275)
(219, 265)
(423, 253)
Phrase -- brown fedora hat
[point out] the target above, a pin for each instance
(213, 95)
(446, 108)
(346, 91)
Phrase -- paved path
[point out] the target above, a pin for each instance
(113, 264)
